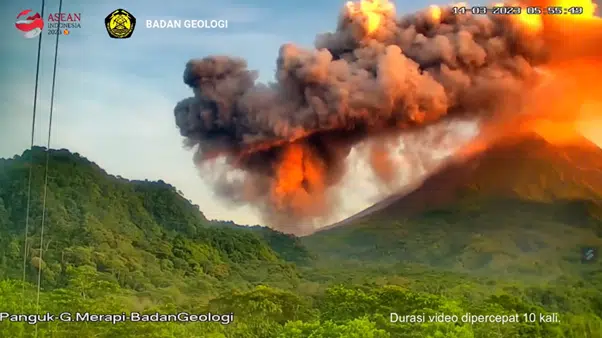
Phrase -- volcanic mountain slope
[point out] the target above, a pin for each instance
(523, 205)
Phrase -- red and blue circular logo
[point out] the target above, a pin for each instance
(30, 24)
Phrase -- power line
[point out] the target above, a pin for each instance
(41, 254)
(33, 128)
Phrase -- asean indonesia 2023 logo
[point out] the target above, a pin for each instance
(31, 24)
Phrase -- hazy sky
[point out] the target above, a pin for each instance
(114, 99)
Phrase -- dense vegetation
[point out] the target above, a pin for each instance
(113, 246)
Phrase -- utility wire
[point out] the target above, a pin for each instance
(33, 129)
(56, 55)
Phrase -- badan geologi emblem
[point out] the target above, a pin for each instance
(120, 24)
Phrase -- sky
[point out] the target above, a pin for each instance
(114, 98)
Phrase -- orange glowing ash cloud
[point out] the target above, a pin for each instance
(565, 108)
(589, 7)
(435, 13)
(299, 180)
(532, 22)
(529, 21)
(535, 22)
(553, 131)
(370, 12)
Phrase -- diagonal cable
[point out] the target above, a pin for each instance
(31, 160)
(56, 54)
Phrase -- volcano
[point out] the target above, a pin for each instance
(527, 168)
(521, 200)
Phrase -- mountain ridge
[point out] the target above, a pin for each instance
(464, 178)
(117, 225)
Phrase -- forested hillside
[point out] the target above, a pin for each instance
(143, 235)
(114, 246)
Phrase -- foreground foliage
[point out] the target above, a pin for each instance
(340, 311)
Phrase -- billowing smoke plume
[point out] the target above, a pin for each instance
(376, 76)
